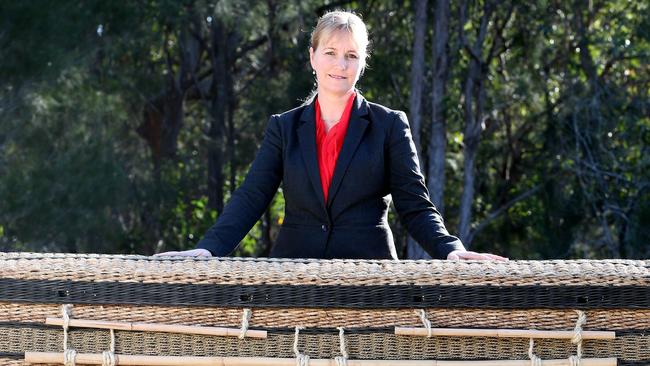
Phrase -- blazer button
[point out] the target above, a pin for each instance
(323, 227)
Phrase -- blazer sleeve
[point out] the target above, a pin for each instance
(420, 217)
(250, 200)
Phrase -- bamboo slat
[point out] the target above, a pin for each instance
(155, 327)
(96, 359)
(503, 333)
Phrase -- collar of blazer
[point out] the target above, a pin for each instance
(307, 138)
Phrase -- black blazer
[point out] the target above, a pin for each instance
(378, 160)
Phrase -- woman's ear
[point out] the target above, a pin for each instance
(311, 57)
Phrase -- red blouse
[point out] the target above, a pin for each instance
(328, 144)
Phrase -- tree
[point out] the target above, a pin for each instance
(474, 94)
(414, 250)
(124, 126)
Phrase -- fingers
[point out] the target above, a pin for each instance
(174, 254)
(473, 255)
(467, 255)
(496, 257)
(164, 254)
(186, 253)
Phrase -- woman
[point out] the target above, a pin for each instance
(340, 159)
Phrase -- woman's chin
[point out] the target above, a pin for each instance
(336, 90)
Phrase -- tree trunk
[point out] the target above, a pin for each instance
(163, 120)
(471, 138)
(267, 222)
(163, 114)
(438, 141)
(267, 218)
(414, 250)
(473, 93)
(172, 121)
(232, 157)
(216, 133)
(417, 72)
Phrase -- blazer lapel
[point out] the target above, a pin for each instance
(307, 140)
(356, 128)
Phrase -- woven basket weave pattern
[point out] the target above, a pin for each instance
(364, 345)
(322, 272)
(542, 319)
(283, 293)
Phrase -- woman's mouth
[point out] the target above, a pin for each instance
(336, 77)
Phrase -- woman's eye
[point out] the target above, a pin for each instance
(352, 56)
(331, 53)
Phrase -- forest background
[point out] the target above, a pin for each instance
(126, 125)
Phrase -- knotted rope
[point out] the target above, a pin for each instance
(69, 355)
(342, 360)
(577, 338)
(425, 321)
(534, 360)
(246, 317)
(108, 357)
(301, 359)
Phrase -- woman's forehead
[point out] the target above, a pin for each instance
(340, 39)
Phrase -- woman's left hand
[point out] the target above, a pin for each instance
(467, 255)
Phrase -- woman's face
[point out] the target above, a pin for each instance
(337, 62)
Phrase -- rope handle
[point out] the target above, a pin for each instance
(246, 317)
(534, 360)
(108, 357)
(69, 355)
(342, 360)
(426, 322)
(577, 338)
(301, 359)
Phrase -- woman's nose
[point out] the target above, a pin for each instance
(343, 63)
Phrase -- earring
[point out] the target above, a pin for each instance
(313, 72)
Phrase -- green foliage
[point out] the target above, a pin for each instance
(63, 185)
(570, 124)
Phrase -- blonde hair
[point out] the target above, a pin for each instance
(336, 21)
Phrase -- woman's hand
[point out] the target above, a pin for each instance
(467, 255)
(187, 253)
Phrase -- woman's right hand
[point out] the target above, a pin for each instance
(187, 253)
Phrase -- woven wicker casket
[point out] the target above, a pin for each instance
(135, 310)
